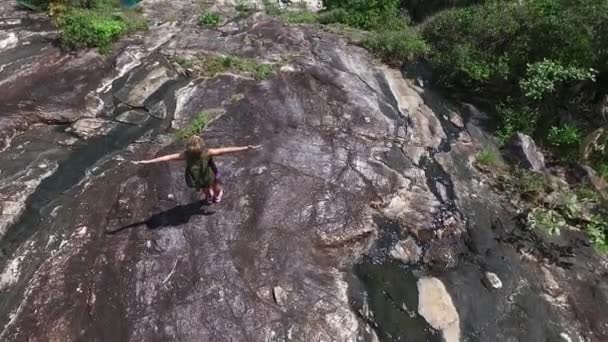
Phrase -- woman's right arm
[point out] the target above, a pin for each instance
(169, 157)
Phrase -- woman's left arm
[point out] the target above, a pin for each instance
(226, 150)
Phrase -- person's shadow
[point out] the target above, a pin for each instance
(175, 216)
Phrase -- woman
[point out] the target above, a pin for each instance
(201, 172)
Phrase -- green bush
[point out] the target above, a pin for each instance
(521, 33)
(544, 78)
(396, 46)
(597, 230)
(209, 19)
(564, 136)
(271, 7)
(548, 220)
(84, 28)
(543, 54)
(364, 14)
(242, 6)
(92, 23)
(515, 118)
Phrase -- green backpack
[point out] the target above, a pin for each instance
(199, 173)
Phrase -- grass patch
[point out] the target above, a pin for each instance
(300, 17)
(195, 128)
(529, 186)
(586, 193)
(209, 19)
(211, 65)
(488, 157)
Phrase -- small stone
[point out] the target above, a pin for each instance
(367, 119)
(287, 68)
(68, 142)
(407, 251)
(170, 196)
(42, 166)
(492, 280)
(456, 120)
(279, 294)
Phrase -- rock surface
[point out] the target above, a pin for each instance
(588, 175)
(354, 158)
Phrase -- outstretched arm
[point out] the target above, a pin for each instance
(169, 157)
(225, 150)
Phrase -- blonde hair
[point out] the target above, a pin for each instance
(196, 147)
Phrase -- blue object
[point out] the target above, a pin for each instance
(129, 3)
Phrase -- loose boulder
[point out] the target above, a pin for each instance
(436, 306)
(523, 151)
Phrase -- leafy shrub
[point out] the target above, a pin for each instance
(92, 23)
(546, 219)
(597, 230)
(271, 7)
(242, 6)
(543, 78)
(364, 14)
(522, 33)
(472, 46)
(544, 54)
(209, 19)
(83, 28)
(564, 136)
(515, 118)
(395, 46)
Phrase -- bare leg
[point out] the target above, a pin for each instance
(202, 193)
(209, 194)
(218, 190)
(206, 194)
